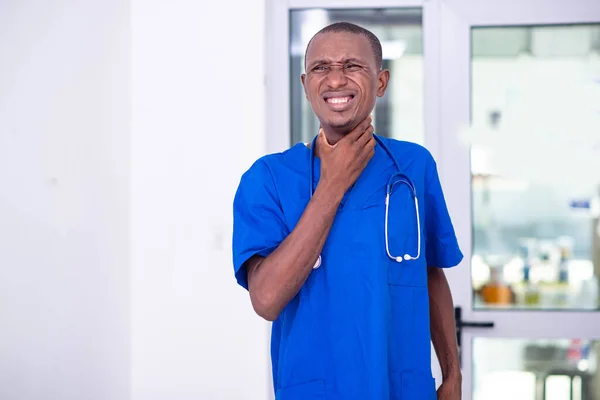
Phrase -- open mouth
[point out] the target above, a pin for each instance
(339, 101)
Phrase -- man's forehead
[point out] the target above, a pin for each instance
(337, 46)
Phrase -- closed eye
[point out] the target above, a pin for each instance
(349, 67)
(352, 67)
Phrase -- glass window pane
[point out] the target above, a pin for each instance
(535, 166)
(524, 369)
(399, 114)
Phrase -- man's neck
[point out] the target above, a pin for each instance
(333, 136)
(322, 144)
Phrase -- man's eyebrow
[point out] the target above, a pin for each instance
(318, 62)
(344, 61)
(353, 60)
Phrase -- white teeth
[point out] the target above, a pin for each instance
(339, 100)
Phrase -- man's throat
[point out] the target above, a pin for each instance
(330, 138)
(324, 138)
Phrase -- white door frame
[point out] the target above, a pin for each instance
(277, 78)
(457, 18)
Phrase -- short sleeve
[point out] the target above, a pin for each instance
(442, 248)
(258, 224)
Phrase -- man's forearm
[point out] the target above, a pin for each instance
(275, 280)
(443, 325)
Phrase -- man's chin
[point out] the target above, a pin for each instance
(343, 125)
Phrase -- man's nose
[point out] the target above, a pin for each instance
(336, 78)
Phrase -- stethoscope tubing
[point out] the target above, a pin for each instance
(398, 177)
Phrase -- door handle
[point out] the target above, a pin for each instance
(460, 324)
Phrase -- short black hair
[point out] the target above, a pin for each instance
(348, 27)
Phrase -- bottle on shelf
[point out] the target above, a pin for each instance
(562, 297)
(496, 291)
(530, 291)
(532, 294)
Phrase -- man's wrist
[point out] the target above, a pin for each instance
(331, 192)
(454, 375)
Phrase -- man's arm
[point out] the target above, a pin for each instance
(443, 331)
(273, 281)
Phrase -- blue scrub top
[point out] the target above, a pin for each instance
(359, 327)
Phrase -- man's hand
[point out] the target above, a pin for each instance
(443, 333)
(342, 163)
(450, 389)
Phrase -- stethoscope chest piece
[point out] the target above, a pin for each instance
(317, 263)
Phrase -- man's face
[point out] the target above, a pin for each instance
(342, 80)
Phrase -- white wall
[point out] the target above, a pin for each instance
(64, 167)
(124, 129)
(198, 123)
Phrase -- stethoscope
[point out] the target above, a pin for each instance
(396, 178)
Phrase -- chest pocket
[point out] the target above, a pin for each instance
(402, 236)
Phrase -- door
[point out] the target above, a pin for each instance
(520, 157)
(492, 71)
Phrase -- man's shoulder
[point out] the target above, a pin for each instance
(265, 165)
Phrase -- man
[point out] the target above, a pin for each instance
(351, 320)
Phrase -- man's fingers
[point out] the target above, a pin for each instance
(359, 130)
(368, 150)
(362, 128)
(365, 137)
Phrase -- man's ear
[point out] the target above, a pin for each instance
(382, 82)
(303, 79)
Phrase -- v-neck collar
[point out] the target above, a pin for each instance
(371, 180)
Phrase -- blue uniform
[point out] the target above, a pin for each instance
(359, 327)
